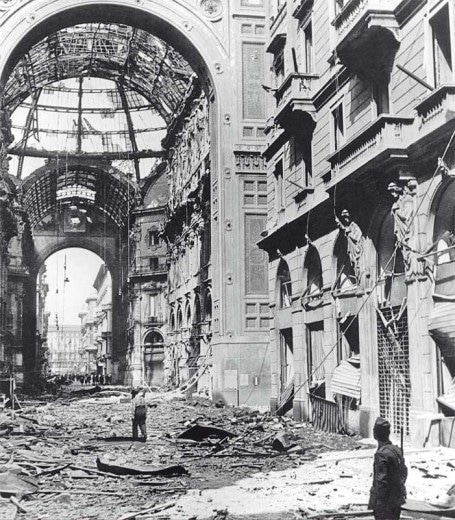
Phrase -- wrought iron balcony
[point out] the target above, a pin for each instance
(385, 138)
(367, 34)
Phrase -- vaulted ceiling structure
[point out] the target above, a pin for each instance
(57, 185)
(93, 93)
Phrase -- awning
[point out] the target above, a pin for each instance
(447, 401)
(346, 379)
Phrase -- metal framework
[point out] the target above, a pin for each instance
(113, 194)
(143, 62)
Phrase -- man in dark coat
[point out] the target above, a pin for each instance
(388, 493)
(139, 412)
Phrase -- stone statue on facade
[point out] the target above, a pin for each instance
(354, 239)
(405, 226)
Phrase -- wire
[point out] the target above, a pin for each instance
(411, 221)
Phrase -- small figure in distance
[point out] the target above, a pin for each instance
(139, 412)
(388, 492)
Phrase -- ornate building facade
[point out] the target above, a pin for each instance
(360, 162)
(273, 195)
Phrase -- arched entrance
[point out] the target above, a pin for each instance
(149, 47)
(154, 358)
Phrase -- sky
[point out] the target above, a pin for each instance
(81, 270)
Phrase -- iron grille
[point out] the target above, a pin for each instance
(393, 364)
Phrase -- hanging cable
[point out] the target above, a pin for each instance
(343, 333)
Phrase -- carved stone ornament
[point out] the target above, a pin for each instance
(405, 225)
(212, 9)
(6, 4)
(355, 241)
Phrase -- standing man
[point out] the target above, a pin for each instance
(388, 492)
(139, 412)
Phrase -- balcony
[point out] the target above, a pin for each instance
(436, 112)
(154, 321)
(367, 35)
(294, 102)
(386, 139)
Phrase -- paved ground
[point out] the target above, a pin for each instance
(242, 478)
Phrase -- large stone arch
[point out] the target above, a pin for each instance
(198, 37)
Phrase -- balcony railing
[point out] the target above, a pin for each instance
(437, 109)
(354, 11)
(296, 90)
(387, 134)
(367, 36)
(154, 321)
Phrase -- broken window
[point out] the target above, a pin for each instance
(286, 357)
(315, 358)
(284, 285)
(348, 338)
(312, 267)
(278, 67)
(338, 126)
(280, 195)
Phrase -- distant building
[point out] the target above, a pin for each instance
(96, 326)
(64, 343)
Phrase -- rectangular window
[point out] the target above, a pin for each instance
(338, 126)
(280, 195)
(315, 346)
(287, 357)
(307, 44)
(301, 151)
(442, 47)
(278, 67)
(154, 263)
(381, 96)
(153, 238)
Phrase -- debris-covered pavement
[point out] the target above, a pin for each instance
(74, 458)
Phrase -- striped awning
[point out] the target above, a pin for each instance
(346, 380)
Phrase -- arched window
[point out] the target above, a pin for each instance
(188, 314)
(153, 237)
(313, 272)
(284, 285)
(154, 340)
(179, 318)
(172, 321)
(197, 310)
(208, 306)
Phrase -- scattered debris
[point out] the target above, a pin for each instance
(199, 432)
(129, 469)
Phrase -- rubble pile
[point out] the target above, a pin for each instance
(74, 458)
(75, 455)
